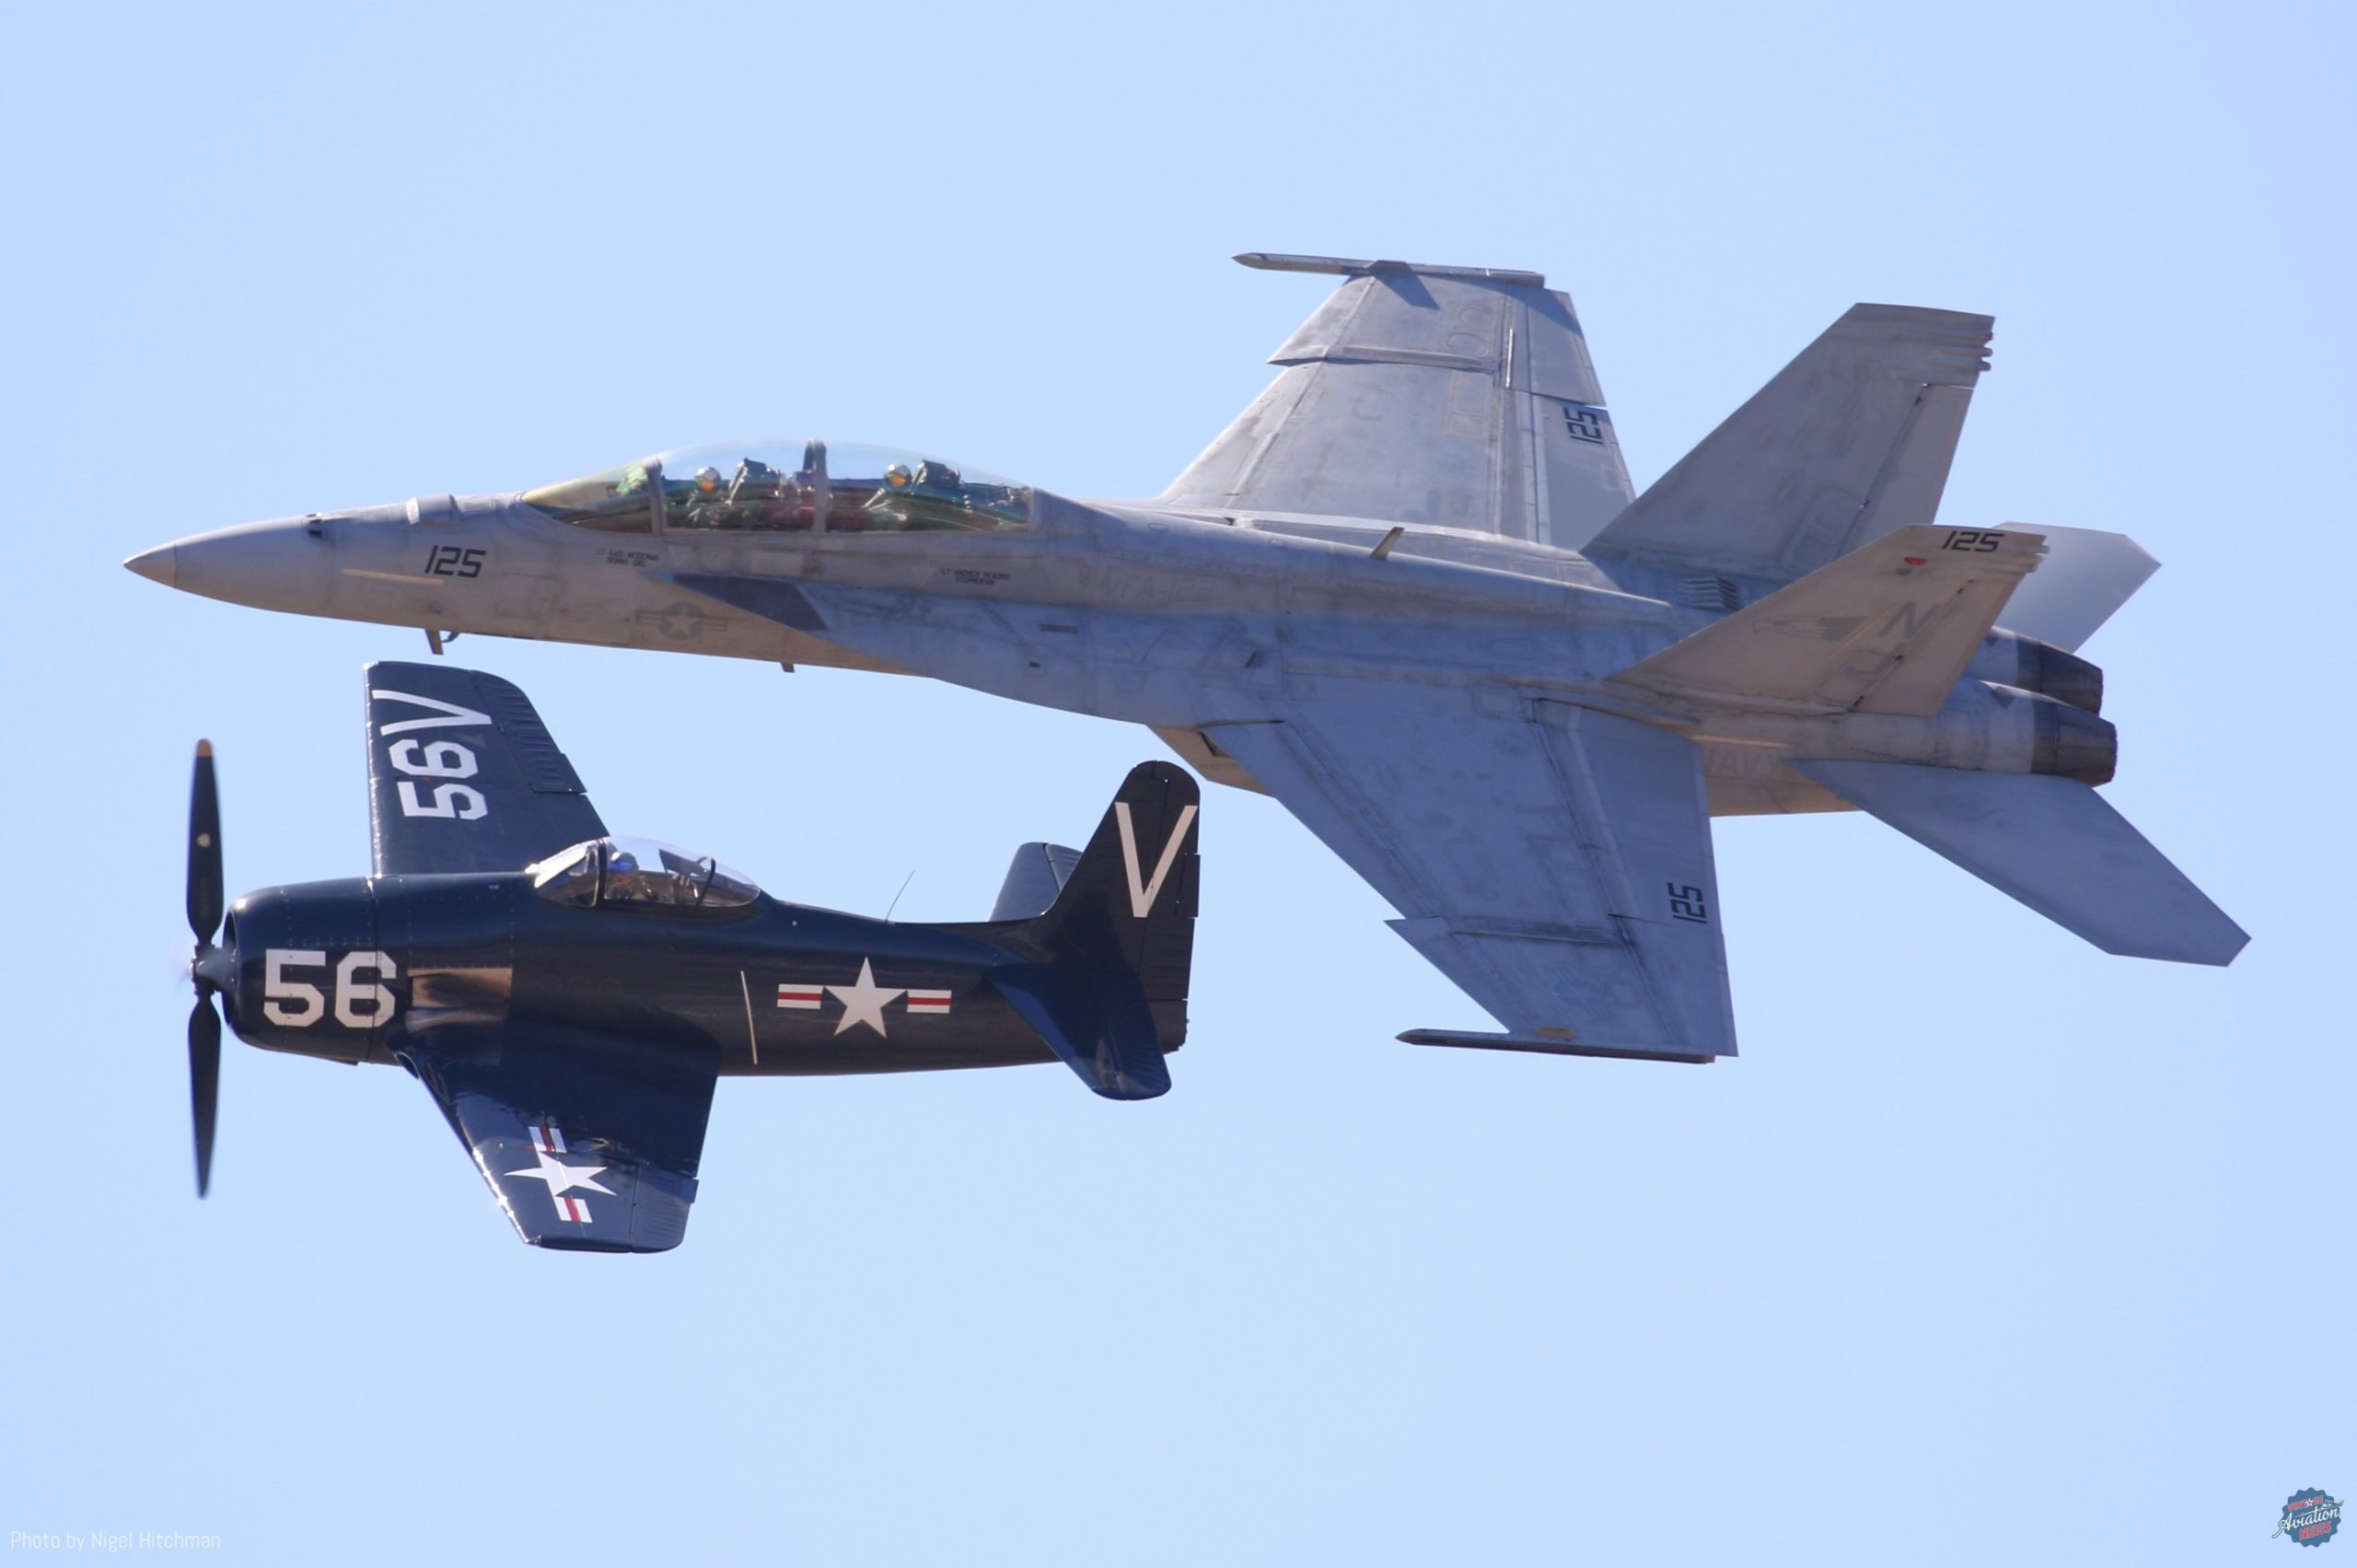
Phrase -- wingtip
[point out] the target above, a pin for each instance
(1352, 266)
(2215, 949)
(1555, 1044)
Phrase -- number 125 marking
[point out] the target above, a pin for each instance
(1977, 541)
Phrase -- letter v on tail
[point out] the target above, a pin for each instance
(1142, 889)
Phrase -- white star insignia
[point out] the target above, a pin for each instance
(863, 1003)
(563, 1177)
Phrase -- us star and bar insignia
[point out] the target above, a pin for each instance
(863, 1001)
(548, 1143)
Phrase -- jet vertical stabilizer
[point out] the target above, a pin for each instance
(2086, 575)
(1850, 440)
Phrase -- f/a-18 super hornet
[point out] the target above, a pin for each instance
(1410, 594)
(569, 997)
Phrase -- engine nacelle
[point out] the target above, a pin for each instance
(1986, 728)
(309, 977)
(2008, 658)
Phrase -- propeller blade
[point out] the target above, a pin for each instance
(204, 1083)
(203, 850)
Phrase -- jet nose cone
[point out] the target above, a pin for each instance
(160, 565)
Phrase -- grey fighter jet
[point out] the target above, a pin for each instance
(1410, 594)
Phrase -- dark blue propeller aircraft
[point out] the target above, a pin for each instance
(569, 997)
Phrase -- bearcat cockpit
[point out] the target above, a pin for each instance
(609, 871)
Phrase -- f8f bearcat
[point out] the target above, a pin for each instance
(1411, 592)
(570, 997)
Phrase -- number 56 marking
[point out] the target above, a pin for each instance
(298, 1004)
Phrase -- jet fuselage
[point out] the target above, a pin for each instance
(1124, 610)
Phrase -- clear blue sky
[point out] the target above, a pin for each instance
(1988, 1249)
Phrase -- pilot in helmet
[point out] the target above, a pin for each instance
(896, 476)
(622, 874)
(708, 479)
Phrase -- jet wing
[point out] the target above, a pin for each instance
(1553, 861)
(591, 1143)
(1456, 397)
(463, 776)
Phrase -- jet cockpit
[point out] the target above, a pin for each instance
(780, 487)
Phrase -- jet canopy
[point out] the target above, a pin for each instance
(788, 487)
(638, 871)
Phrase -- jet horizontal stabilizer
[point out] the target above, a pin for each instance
(1887, 628)
(2051, 842)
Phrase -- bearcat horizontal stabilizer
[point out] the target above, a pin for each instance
(1095, 1021)
(1034, 877)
